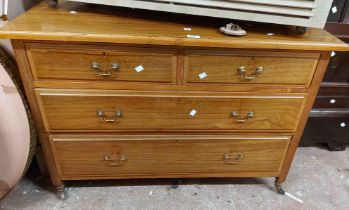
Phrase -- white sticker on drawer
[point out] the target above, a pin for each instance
(334, 9)
(193, 36)
(203, 75)
(333, 53)
(193, 112)
(139, 68)
(343, 125)
(333, 101)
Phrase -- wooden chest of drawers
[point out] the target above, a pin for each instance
(136, 98)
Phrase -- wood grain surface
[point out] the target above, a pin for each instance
(181, 156)
(72, 110)
(73, 62)
(91, 23)
(55, 47)
(278, 67)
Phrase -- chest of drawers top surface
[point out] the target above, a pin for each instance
(90, 23)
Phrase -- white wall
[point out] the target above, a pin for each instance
(15, 8)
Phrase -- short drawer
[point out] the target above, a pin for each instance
(96, 110)
(250, 67)
(332, 101)
(85, 62)
(168, 156)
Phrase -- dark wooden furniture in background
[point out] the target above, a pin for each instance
(329, 120)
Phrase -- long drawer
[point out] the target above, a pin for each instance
(80, 157)
(250, 67)
(88, 62)
(95, 110)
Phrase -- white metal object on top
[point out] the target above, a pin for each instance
(233, 29)
(3, 9)
(306, 13)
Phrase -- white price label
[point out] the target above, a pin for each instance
(334, 9)
(193, 36)
(193, 112)
(139, 68)
(203, 75)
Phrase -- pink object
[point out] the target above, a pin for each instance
(14, 134)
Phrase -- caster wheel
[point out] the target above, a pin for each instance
(278, 188)
(52, 3)
(61, 194)
(301, 30)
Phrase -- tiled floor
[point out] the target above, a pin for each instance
(318, 177)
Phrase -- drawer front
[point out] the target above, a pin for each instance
(250, 67)
(332, 102)
(149, 156)
(110, 64)
(117, 110)
(338, 68)
(324, 129)
(334, 91)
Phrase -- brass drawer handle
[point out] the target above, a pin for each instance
(240, 119)
(115, 66)
(248, 77)
(114, 118)
(100, 72)
(233, 158)
(120, 161)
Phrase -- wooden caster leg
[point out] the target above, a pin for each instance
(301, 30)
(52, 3)
(61, 194)
(278, 187)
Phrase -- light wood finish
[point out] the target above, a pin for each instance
(321, 69)
(112, 25)
(73, 62)
(278, 68)
(64, 103)
(103, 85)
(149, 156)
(76, 110)
(25, 72)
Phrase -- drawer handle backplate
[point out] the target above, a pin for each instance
(105, 73)
(233, 158)
(114, 118)
(236, 116)
(120, 161)
(248, 77)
